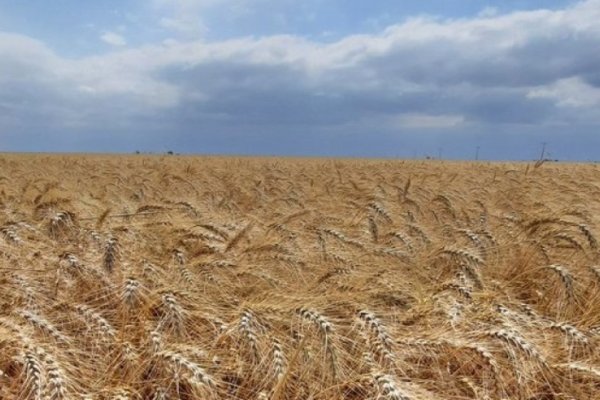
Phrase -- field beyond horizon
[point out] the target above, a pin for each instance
(167, 277)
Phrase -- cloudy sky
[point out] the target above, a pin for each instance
(382, 78)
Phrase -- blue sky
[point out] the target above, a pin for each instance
(314, 77)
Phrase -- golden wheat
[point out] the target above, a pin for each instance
(154, 277)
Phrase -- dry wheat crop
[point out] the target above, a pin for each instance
(155, 277)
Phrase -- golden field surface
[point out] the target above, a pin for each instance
(156, 277)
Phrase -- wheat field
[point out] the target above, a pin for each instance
(167, 277)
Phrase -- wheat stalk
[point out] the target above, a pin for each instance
(381, 211)
(198, 375)
(44, 325)
(91, 316)
(515, 340)
(248, 332)
(279, 360)
(565, 277)
(111, 254)
(131, 294)
(586, 231)
(56, 385)
(33, 385)
(380, 335)
(389, 388)
(11, 235)
(572, 332)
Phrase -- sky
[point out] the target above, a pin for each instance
(382, 78)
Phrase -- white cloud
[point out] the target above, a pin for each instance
(114, 39)
(183, 16)
(569, 92)
(488, 12)
(185, 24)
(188, 17)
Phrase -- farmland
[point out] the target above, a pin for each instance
(169, 277)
